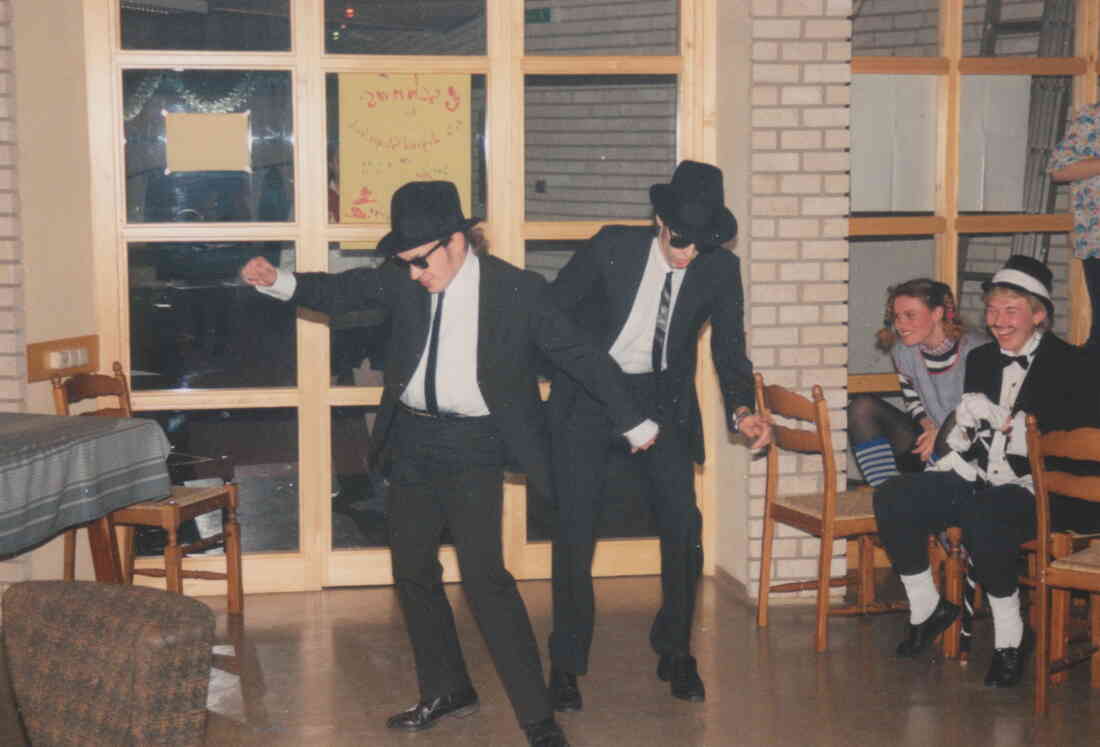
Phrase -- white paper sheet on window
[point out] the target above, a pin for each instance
(207, 142)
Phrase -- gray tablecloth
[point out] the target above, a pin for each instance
(57, 472)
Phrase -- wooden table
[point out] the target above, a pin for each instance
(60, 472)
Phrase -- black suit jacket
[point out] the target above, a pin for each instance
(1059, 389)
(517, 323)
(597, 288)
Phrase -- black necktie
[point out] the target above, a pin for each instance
(1008, 360)
(433, 353)
(662, 324)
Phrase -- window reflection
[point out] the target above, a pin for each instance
(194, 324)
(263, 193)
(230, 25)
(358, 338)
(260, 448)
(455, 27)
(358, 494)
(599, 27)
(596, 143)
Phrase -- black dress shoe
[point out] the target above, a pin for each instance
(1007, 667)
(683, 677)
(545, 733)
(921, 636)
(426, 713)
(565, 694)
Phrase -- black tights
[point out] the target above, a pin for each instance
(870, 417)
(1092, 281)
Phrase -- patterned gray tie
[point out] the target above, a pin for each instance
(662, 324)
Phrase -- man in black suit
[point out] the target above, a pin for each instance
(644, 296)
(984, 484)
(445, 439)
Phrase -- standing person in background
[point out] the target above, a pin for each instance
(444, 440)
(1076, 159)
(644, 296)
(928, 345)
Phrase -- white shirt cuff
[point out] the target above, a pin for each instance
(642, 433)
(283, 288)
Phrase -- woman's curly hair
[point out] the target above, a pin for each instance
(934, 295)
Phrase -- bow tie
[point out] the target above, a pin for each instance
(1008, 360)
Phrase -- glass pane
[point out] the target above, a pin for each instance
(260, 449)
(889, 28)
(1018, 29)
(195, 325)
(405, 27)
(1008, 126)
(980, 255)
(358, 495)
(231, 25)
(596, 143)
(874, 264)
(358, 338)
(893, 144)
(249, 178)
(385, 130)
(548, 257)
(579, 27)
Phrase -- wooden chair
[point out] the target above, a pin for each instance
(76, 389)
(827, 513)
(168, 513)
(1077, 570)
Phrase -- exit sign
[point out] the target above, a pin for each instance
(537, 15)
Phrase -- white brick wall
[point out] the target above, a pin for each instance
(12, 364)
(797, 263)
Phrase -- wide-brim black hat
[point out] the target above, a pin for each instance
(1026, 274)
(694, 204)
(421, 212)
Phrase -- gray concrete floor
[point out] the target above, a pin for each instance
(327, 668)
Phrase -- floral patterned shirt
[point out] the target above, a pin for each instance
(1082, 140)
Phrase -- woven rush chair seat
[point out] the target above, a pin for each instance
(102, 664)
(1086, 561)
(851, 505)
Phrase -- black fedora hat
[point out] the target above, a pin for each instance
(421, 212)
(1022, 273)
(694, 204)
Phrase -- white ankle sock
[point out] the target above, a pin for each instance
(923, 596)
(1008, 625)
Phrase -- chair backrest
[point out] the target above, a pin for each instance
(817, 439)
(93, 385)
(1081, 445)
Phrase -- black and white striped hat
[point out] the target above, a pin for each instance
(1025, 274)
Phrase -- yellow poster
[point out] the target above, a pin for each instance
(396, 129)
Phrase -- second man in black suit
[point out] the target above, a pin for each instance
(644, 296)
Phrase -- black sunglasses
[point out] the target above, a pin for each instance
(676, 241)
(420, 262)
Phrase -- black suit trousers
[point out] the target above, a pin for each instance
(994, 522)
(447, 473)
(580, 451)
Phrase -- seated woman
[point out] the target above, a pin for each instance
(928, 344)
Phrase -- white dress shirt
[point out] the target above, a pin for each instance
(633, 348)
(1014, 441)
(456, 386)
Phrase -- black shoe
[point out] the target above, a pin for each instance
(545, 733)
(425, 714)
(921, 636)
(565, 694)
(683, 676)
(1007, 667)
